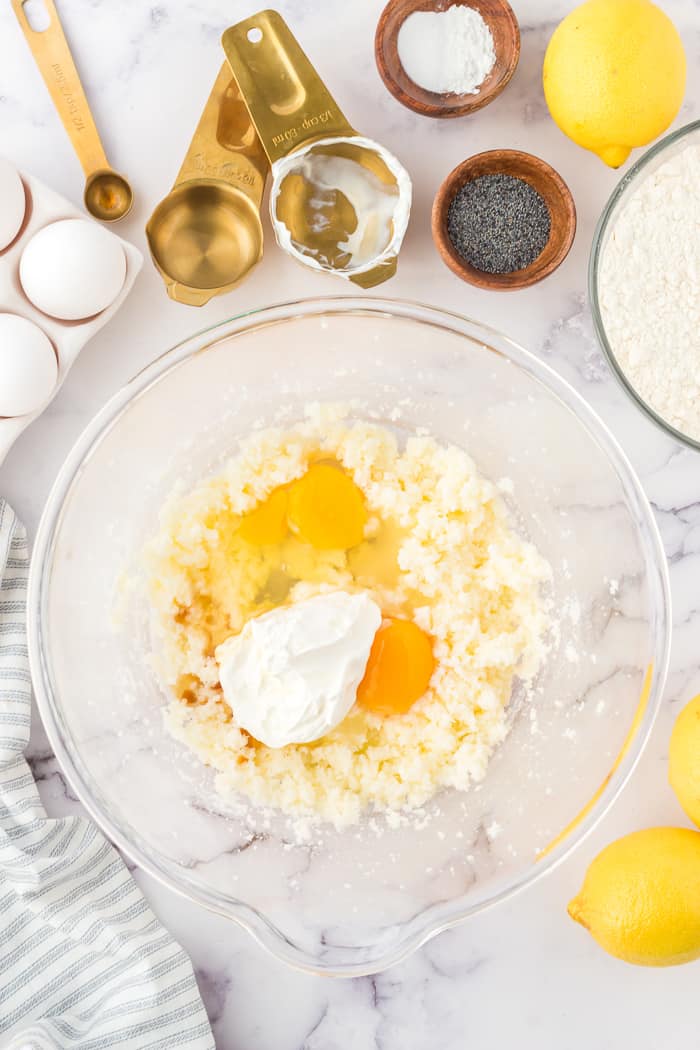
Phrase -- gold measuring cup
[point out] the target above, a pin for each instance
(206, 235)
(108, 196)
(339, 202)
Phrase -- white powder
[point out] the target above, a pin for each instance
(649, 285)
(447, 51)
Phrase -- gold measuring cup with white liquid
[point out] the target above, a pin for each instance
(339, 202)
(206, 235)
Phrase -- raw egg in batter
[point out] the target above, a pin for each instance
(399, 668)
(327, 509)
(267, 523)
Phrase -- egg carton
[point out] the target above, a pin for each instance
(44, 206)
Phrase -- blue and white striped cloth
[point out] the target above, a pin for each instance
(83, 960)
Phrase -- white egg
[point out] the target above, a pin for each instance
(72, 269)
(28, 366)
(13, 203)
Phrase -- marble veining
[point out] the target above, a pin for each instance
(521, 972)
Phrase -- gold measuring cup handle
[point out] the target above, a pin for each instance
(55, 62)
(225, 145)
(288, 102)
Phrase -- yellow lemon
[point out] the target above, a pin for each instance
(684, 759)
(640, 898)
(614, 76)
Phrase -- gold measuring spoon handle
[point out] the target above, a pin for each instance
(53, 57)
(287, 100)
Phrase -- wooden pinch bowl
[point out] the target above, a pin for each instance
(500, 19)
(543, 178)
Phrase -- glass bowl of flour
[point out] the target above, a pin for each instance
(644, 283)
(351, 900)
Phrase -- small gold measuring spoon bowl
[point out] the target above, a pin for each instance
(339, 202)
(108, 196)
(206, 235)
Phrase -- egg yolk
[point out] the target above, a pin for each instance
(399, 668)
(327, 509)
(267, 523)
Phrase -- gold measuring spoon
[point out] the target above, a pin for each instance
(339, 202)
(206, 235)
(108, 196)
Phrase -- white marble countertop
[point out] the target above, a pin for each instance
(522, 973)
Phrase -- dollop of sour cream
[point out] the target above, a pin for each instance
(379, 210)
(291, 675)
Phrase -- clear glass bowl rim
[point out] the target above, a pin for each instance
(425, 925)
(615, 199)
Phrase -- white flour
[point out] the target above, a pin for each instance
(649, 289)
(447, 51)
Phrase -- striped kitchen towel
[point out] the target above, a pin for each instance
(83, 960)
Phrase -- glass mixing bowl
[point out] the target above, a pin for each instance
(352, 902)
(648, 163)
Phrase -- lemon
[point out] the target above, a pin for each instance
(640, 898)
(684, 759)
(614, 76)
